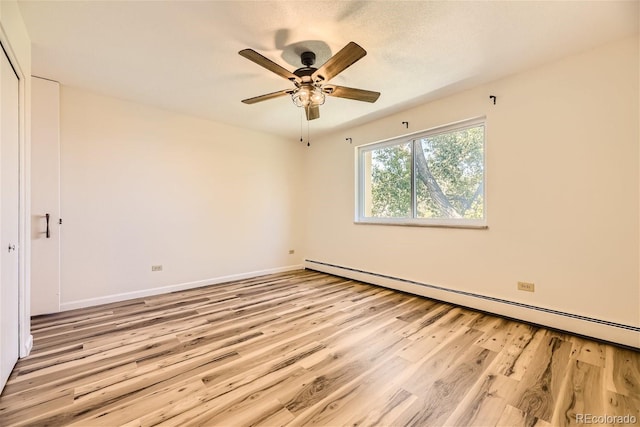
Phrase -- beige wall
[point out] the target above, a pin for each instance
(142, 186)
(562, 194)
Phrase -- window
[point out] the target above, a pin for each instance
(434, 177)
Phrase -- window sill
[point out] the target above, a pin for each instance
(405, 223)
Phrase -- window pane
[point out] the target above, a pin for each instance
(387, 182)
(450, 174)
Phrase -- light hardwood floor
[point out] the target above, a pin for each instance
(307, 348)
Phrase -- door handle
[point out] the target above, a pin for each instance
(12, 248)
(48, 233)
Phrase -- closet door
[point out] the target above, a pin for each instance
(45, 196)
(9, 213)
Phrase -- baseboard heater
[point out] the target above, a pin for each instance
(605, 330)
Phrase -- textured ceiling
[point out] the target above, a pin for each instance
(183, 55)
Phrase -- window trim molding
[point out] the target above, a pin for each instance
(410, 138)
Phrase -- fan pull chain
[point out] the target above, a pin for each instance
(302, 129)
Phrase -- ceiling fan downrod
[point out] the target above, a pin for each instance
(308, 59)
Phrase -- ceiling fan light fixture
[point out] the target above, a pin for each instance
(308, 95)
(317, 96)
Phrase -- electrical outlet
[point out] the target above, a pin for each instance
(526, 286)
(156, 268)
(291, 251)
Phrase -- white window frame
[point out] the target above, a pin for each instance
(360, 169)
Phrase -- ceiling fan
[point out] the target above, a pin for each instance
(311, 83)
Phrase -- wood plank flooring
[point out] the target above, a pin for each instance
(307, 348)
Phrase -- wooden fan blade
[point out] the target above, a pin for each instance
(351, 93)
(254, 56)
(267, 96)
(339, 62)
(312, 112)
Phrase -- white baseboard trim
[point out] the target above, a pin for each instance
(26, 348)
(90, 302)
(582, 325)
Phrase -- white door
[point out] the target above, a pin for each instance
(9, 198)
(45, 196)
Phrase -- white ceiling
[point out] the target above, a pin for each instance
(183, 55)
